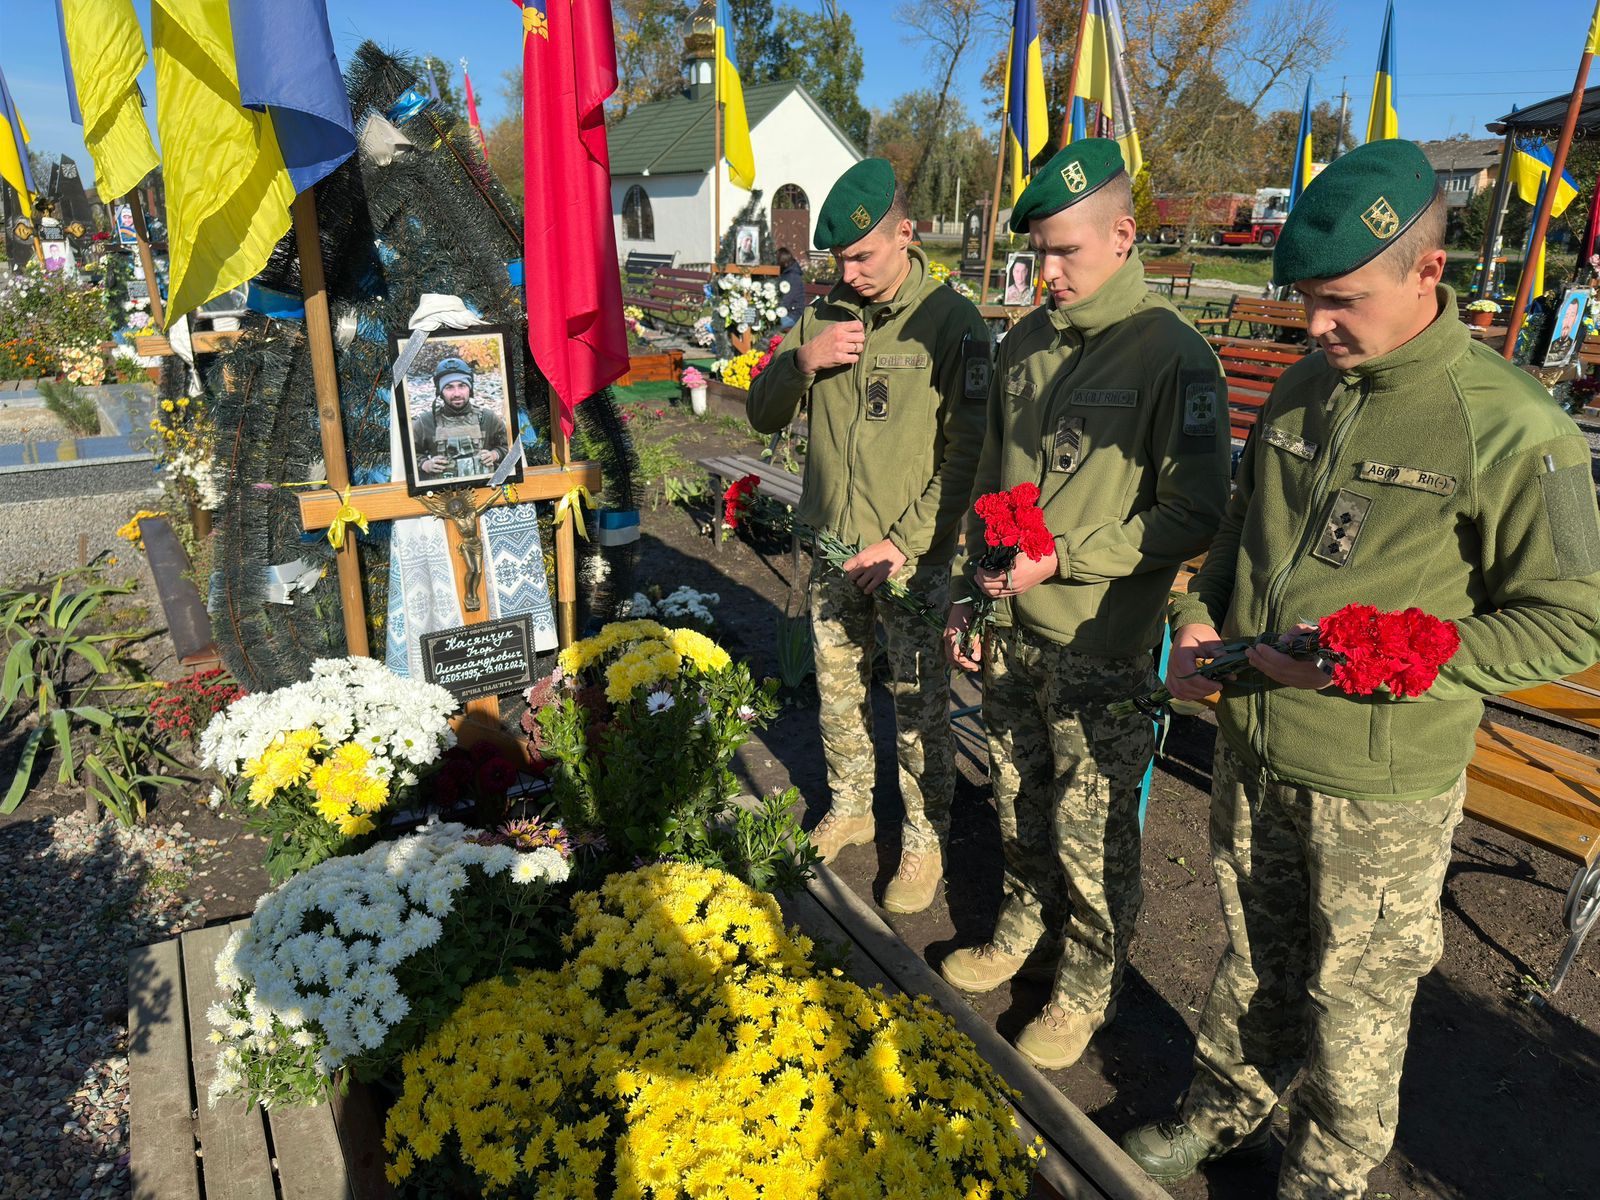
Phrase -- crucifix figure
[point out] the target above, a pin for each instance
(463, 511)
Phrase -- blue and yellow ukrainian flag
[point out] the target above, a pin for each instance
(1025, 98)
(1530, 165)
(14, 167)
(1382, 119)
(1533, 256)
(1302, 151)
(730, 93)
(104, 39)
(1102, 82)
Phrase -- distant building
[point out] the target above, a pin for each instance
(1464, 168)
(662, 176)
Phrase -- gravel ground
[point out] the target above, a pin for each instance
(81, 895)
(29, 424)
(40, 537)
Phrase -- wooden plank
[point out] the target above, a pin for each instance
(1565, 700)
(1552, 831)
(386, 501)
(233, 1140)
(161, 1126)
(1094, 1166)
(307, 1154)
(156, 345)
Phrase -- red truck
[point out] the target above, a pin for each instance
(1231, 219)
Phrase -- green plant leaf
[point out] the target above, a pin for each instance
(18, 675)
(19, 782)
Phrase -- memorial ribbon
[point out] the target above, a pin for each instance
(572, 503)
(348, 514)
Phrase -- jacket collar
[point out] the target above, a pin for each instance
(1423, 357)
(910, 287)
(1112, 302)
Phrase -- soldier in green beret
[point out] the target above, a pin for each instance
(1400, 464)
(1109, 402)
(894, 367)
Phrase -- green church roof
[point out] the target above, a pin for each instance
(676, 136)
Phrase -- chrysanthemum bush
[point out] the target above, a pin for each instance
(314, 765)
(686, 1047)
(642, 722)
(352, 962)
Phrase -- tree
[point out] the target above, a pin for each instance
(1280, 135)
(449, 99)
(951, 149)
(946, 29)
(649, 41)
(823, 56)
(504, 137)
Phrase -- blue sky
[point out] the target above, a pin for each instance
(1448, 80)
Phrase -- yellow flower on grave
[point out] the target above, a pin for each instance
(167, 406)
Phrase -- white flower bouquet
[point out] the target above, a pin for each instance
(313, 765)
(352, 963)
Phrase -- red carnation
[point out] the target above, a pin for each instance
(736, 499)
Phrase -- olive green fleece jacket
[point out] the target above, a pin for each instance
(1117, 409)
(1437, 476)
(894, 437)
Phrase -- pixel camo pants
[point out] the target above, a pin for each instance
(1332, 914)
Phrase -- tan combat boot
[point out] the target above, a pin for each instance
(984, 968)
(836, 831)
(914, 885)
(1056, 1038)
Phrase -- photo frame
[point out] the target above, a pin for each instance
(747, 245)
(456, 405)
(1014, 293)
(1566, 328)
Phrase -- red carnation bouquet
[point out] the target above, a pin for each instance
(1013, 524)
(765, 360)
(1366, 650)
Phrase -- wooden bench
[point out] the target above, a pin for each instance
(1167, 275)
(1251, 368)
(671, 296)
(1252, 317)
(180, 1148)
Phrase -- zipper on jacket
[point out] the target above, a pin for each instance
(1280, 578)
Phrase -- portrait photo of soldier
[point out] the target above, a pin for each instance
(456, 411)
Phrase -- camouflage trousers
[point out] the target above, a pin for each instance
(1332, 914)
(843, 633)
(1066, 779)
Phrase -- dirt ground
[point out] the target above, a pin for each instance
(1501, 1080)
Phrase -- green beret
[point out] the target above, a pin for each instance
(856, 204)
(1353, 211)
(1074, 173)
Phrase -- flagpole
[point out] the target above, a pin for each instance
(324, 374)
(994, 212)
(1541, 226)
(1497, 214)
(1072, 86)
(141, 235)
(716, 156)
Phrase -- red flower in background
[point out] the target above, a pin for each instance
(737, 498)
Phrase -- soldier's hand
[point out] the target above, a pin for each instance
(871, 568)
(1188, 644)
(488, 457)
(1024, 574)
(836, 346)
(1291, 672)
(433, 465)
(955, 632)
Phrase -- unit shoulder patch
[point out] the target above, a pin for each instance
(976, 369)
(1199, 405)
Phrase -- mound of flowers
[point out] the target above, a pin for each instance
(686, 1046)
(353, 961)
(312, 766)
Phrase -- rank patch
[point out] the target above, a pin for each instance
(1347, 513)
(878, 398)
(1283, 440)
(1018, 386)
(1066, 451)
(1408, 477)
